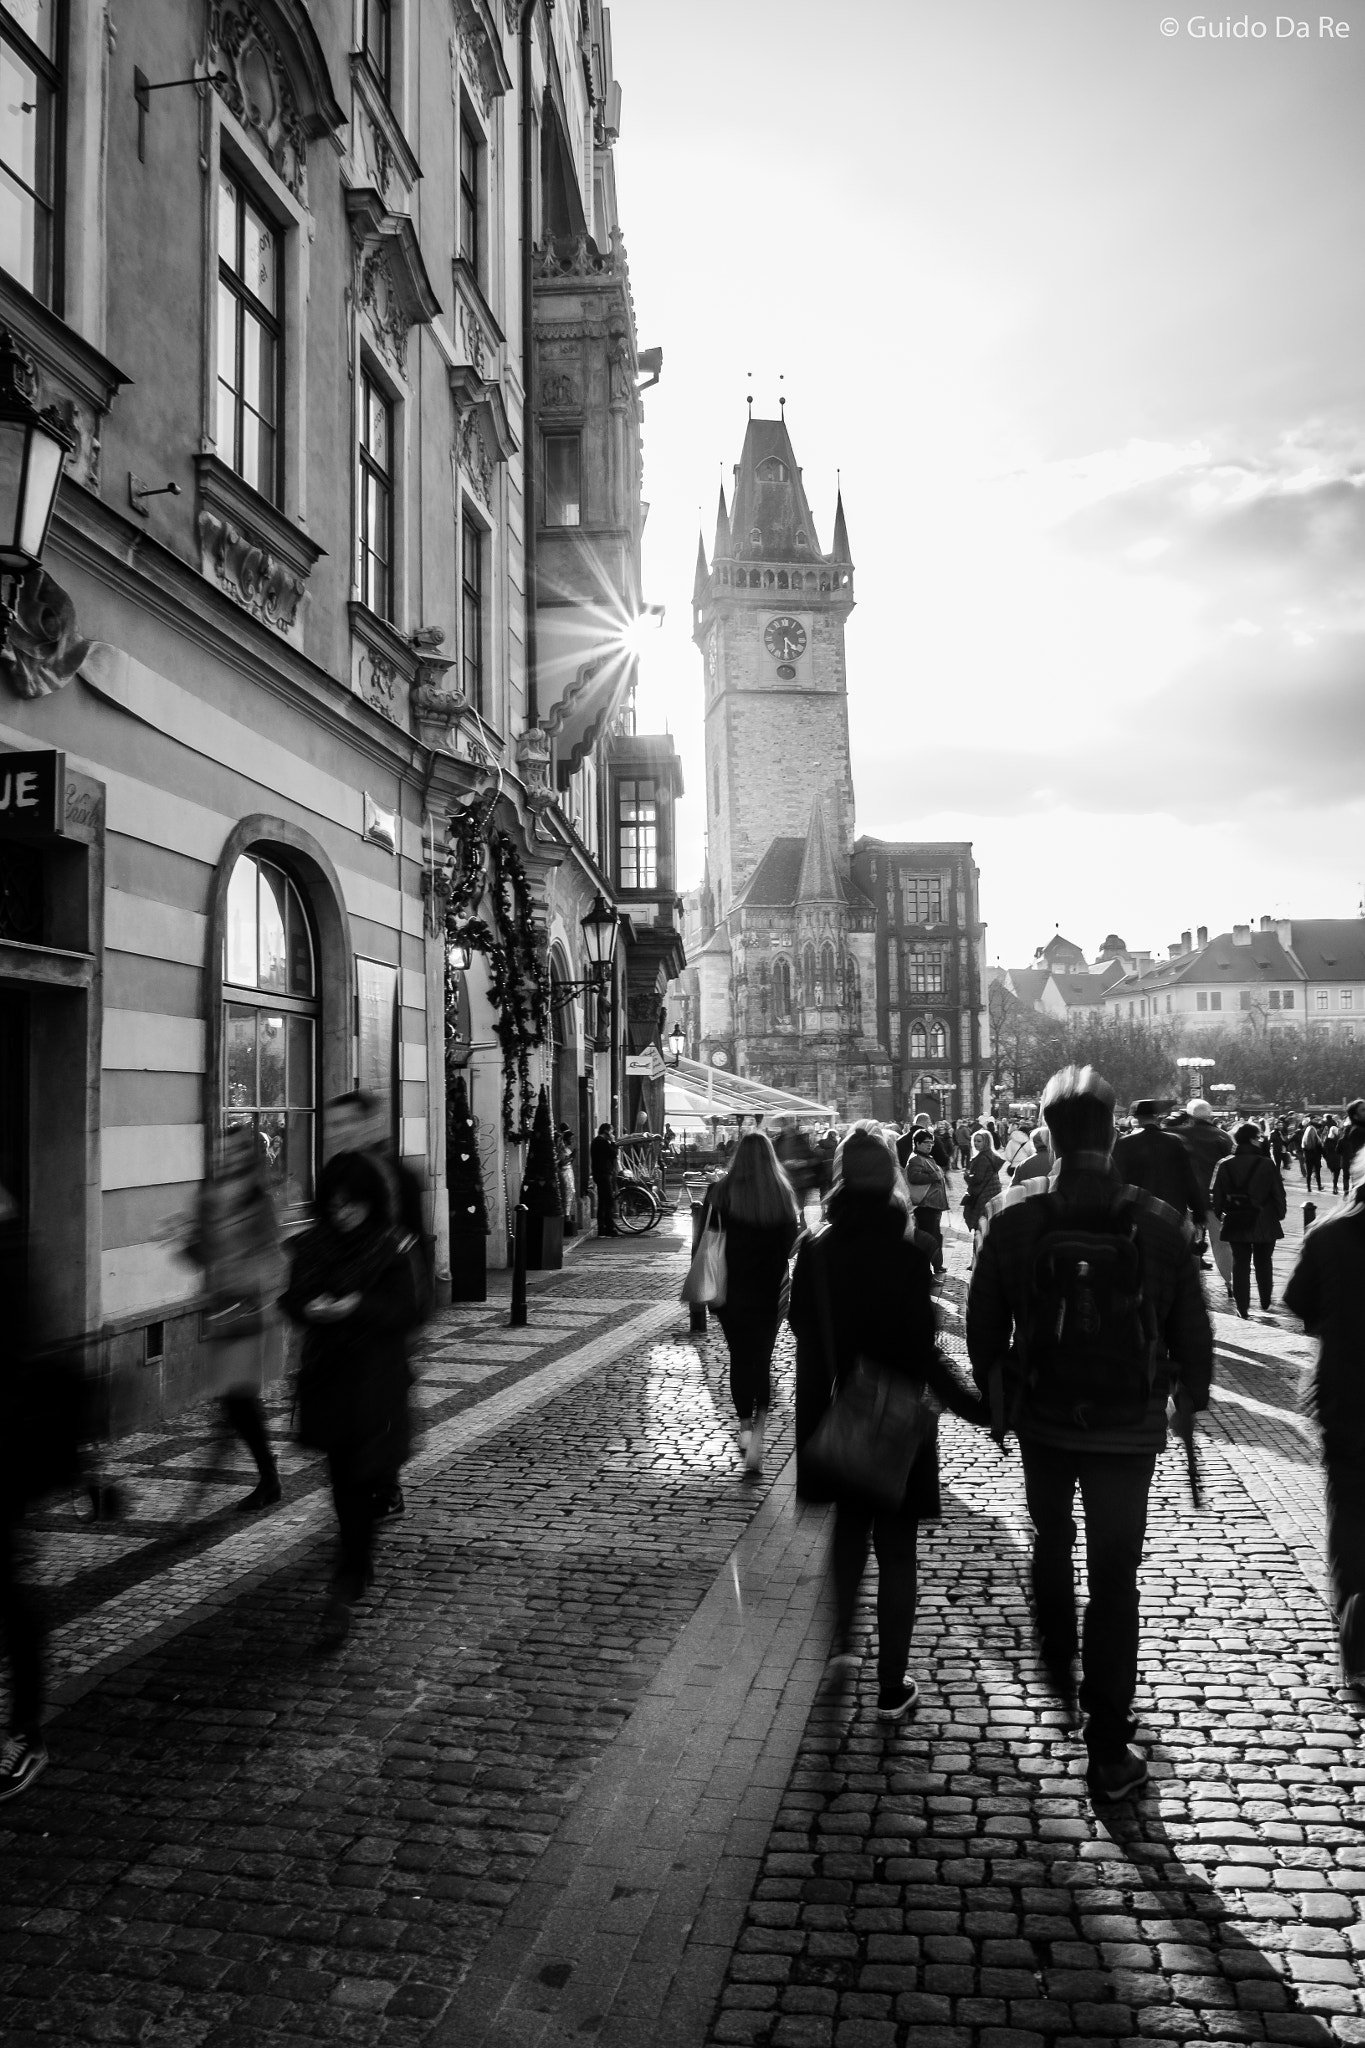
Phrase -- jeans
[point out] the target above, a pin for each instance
(1345, 1489)
(1312, 1167)
(606, 1207)
(893, 1538)
(353, 1496)
(930, 1221)
(1114, 1487)
(750, 1335)
(1243, 1256)
(22, 1623)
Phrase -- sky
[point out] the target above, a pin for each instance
(1076, 307)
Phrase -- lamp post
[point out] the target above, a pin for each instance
(33, 447)
(1194, 1067)
(677, 1039)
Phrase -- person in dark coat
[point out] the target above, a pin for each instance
(1110, 1456)
(761, 1214)
(1038, 1164)
(354, 1291)
(1247, 1196)
(865, 1282)
(983, 1179)
(1352, 1141)
(604, 1156)
(927, 1187)
(1156, 1160)
(1310, 1156)
(1206, 1144)
(1325, 1292)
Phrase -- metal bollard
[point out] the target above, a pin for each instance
(696, 1313)
(517, 1319)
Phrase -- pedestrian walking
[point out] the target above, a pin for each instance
(1352, 1140)
(352, 1288)
(1156, 1160)
(1085, 1315)
(604, 1156)
(862, 1289)
(236, 1240)
(1310, 1156)
(1324, 1291)
(568, 1189)
(1331, 1152)
(962, 1140)
(927, 1187)
(1038, 1164)
(760, 1213)
(1018, 1147)
(983, 1179)
(1247, 1196)
(1206, 1144)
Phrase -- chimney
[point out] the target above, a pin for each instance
(1177, 948)
(1285, 932)
(1184, 942)
(1265, 924)
(1241, 935)
(1202, 935)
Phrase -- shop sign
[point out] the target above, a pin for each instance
(649, 1064)
(32, 794)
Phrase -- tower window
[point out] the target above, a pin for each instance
(802, 539)
(938, 1043)
(925, 970)
(921, 898)
(717, 787)
(638, 834)
(918, 1042)
(782, 989)
(772, 471)
(756, 536)
(563, 480)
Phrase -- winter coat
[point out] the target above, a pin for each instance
(1255, 1174)
(1206, 1145)
(354, 1377)
(924, 1174)
(1324, 1291)
(877, 1283)
(983, 1184)
(756, 1256)
(603, 1157)
(1156, 1160)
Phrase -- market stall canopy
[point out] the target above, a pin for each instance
(694, 1090)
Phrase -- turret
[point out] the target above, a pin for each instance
(841, 548)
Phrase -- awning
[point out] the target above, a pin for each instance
(704, 1093)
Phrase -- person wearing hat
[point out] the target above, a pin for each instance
(1206, 1145)
(1247, 1196)
(1156, 1160)
(861, 1289)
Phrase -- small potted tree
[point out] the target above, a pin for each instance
(468, 1210)
(540, 1193)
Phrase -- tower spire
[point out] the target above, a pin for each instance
(701, 582)
(721, 545)
(841, 547)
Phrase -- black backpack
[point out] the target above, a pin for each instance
(1088, 1339)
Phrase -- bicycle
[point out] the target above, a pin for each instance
(638, 1203)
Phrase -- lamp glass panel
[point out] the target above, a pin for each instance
(44, 475)
(12, 437)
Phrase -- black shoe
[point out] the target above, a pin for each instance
(894, 1702)
(1111, 1782)
(388, 1503)
(1060, 1672)
(264, 1494)
(21, 1759)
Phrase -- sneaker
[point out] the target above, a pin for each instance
(894, 1702)
(265, 1494)
(753, 1456)
(21, 1759)
(1111, 1782)
(744, 1435)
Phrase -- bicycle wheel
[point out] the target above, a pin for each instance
(636, 1208)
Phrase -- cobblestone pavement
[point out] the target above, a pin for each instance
(579, 1772)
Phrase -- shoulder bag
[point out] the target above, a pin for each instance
(872, 1431)
(706, 1276)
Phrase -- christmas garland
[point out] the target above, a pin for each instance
(518, 987)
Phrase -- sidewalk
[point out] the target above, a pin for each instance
(579, 1774)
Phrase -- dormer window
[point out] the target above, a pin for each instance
(755, 536)
(772, 471)
(802, 539)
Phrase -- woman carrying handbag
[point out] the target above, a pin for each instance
(861, 1292)
(756, 1206)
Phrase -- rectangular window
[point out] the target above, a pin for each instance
(471, 614)
(563, 479)
(1201, 1001)
(921, 898)
(1322, 998)
(374, 540)
(924, 970)
(1216, 999)
(30, 116)
(1348, 1034)
(1289, 999)
(471, 148)
(638, 834)
(1244, 999)
(250, 354)
(1348, 999)
(1168, 1006)
(378, 41)
(1274, 999)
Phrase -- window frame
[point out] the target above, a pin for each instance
(470, 234)
(572, 437)
(382, 73)
(229, 277)
(911, 883)
(643, 832)
(929, 955)
(371, 472)
(278, 1002)
(472, 602)
(52, 72)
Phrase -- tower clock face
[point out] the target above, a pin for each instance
(785, 639)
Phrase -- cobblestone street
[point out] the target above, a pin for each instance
(581, 1772)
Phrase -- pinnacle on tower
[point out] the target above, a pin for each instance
(819, 881)
(841, 548)
(770, 520)
(701, 582)
(722, 540)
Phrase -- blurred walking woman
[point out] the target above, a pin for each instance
(353, 1290)
(866, 1283)
(762, 1217)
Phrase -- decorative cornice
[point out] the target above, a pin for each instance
(391, 283)
(389, 146)
(222, 490)
(476, 52)
(264, 60)
(72, 377)
(259, 557)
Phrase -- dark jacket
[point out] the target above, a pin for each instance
(1156, 1160)
(1036, 1168)
(880, 1308)
(1252, 1173)
(603, 1156)
(1002, 1281)
(1206, 1145)
(924, 1178)
(756, 1257)
(983, 1184)
(1325, 1292)
(354, 1377)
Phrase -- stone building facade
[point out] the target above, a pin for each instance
(812, 968)
(335, 302)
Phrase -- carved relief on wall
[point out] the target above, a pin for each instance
(374, 151)
(43, 649)
(476, 57)
(472, 338)
(472, 457)
(264, 585)
(379, 682)
(247, 67)
(559, 392)
(378, 298)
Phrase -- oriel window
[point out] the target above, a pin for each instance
(638, 834)
(250, 355)
(30, 116)
(378, 41)
(563, 480)
(470, 150)
(375, 538)
(471, 613)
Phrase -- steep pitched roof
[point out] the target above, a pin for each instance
(841, 547)
(721, 545)
(819, 879)
(1329, 948)
(770, 509)
(777, 877)
(1090, 987)
(1058, 950)
(701, 581)
(1223, 960)
(1028, 983)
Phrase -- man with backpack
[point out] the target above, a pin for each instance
(1084, 1317)
(1247, 1196)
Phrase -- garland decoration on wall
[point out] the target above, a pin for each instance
(518, 985)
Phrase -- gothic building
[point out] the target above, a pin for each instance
(819, 963)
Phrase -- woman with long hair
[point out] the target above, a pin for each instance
(354, 1292)
(757, 1205)
(983, 1179)
(861, 1290)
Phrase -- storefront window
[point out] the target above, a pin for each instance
(270, 1018)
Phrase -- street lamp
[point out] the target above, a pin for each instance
(677, 1039)
(1194, 1067)
(600, 928)
(460, 950)
(33, 447)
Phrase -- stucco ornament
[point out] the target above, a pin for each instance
(533, 765)
(265, 586)
(43, 650)
(247, 67)
(474, 459)
(380, 301)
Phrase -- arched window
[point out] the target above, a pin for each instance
(781, 579)
(831, 994)
(938, 1043)
(918, 1042)
(782, 989)
(808, 974)
(771, 471)
(270, 1021)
